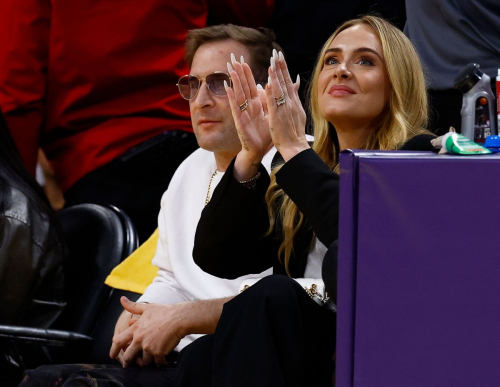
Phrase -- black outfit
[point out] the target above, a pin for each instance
(272, 334)
(227, 247)
(136, 181)
(31, 262)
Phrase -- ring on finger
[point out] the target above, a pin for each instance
(281, 100)
(244, 105)
(280, 97)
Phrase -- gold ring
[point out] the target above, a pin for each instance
(280, 100)
(244, 105)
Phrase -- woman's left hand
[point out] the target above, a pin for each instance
(287, 121)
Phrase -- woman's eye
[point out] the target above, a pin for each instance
(331, 61)
(365, 62)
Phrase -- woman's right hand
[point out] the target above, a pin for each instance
(251, 123)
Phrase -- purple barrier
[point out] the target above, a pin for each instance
(419, 270)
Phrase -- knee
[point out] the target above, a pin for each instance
(46, 375)
(277, 288)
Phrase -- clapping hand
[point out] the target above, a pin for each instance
(287, 119)
(249, 111)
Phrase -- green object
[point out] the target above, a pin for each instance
(457, 144)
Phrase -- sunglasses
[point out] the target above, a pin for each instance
(189, 85)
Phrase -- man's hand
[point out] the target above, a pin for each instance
(160, 328)
(122, 324)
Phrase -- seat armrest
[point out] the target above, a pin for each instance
(51, 337)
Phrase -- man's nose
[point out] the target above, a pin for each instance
(204, 96)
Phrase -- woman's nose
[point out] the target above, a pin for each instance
(341, 71)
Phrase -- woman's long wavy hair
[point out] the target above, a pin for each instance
(406, 117)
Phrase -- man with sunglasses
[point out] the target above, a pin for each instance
(183, 300)
(93, 84)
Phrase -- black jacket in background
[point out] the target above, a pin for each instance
(31, 263)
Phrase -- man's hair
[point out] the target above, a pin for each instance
(259, 42)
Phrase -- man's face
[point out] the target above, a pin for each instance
(211, 116)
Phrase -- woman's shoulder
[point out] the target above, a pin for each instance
(419, 142)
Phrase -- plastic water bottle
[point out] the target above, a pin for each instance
(478, 106)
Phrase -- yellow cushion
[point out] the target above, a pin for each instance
(136, 272)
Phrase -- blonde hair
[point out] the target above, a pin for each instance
(406, 117)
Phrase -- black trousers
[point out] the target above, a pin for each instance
(271, 335)
(136, 181)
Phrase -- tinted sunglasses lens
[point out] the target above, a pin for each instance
(188, 86)
(215, 83)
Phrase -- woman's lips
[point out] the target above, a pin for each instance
(340, 90)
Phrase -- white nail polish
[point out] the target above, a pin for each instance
(269, 81)
(298, 79)
(259, 86)
(242, 60)
(233, 58)
(281, 56)
(275, 53)
(225, 85)
(229, 67)
(273, 64)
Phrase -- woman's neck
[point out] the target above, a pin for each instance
(353, 137)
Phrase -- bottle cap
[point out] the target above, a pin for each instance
(499, 72)
(468, 77)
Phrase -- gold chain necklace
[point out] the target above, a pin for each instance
(209, 186)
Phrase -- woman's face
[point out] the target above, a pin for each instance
(353, 86)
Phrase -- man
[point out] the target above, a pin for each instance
(185, 300)
(93, 84)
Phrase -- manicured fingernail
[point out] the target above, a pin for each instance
(242, 60)
(233, 58)
(298, 79)
(269, 81)
(275, 53)
(229, 67)
(273, 64)
(281, 56)
(225, 85)
(259, 86)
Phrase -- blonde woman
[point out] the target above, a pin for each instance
(367, 92)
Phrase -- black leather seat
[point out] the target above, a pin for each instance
(98, 238)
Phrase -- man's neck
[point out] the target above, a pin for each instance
(223, 159)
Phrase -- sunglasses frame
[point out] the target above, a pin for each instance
(201, 80)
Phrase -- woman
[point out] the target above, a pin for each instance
(31, 249)
(367, 92)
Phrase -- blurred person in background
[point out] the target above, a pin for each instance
(93, 84)
(447, 36)
(32, 252)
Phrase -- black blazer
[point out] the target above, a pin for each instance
(231, 238)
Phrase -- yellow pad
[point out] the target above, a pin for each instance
(136, 272)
